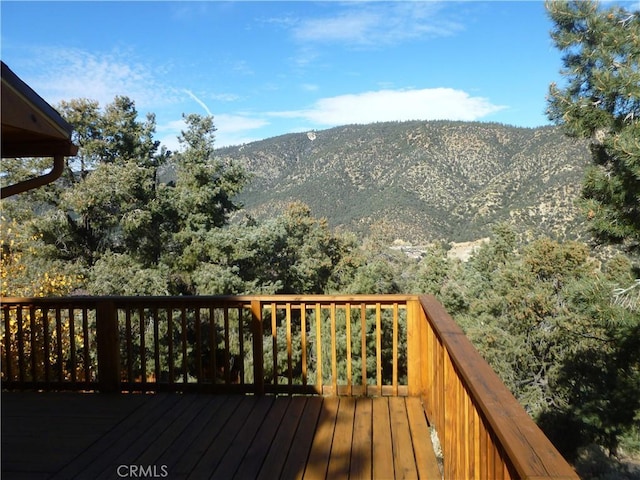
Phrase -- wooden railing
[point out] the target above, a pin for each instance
(357, 345)
(208, 343)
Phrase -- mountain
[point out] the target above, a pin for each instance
(436, 180)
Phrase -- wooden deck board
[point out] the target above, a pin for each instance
(340, 459)
(239, 448)
(298, 451)
(426, 460)
(259, 448)
(321, 448)
(382, 444)
(403, 455)
(361, 453)
(205, 437)
(74, 435)
(283, 440)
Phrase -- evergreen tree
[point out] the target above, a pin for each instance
(202, 198)
(600, 101)
(103, 201)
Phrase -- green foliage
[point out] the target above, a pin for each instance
(543, 315)
(111, 211)
(292, 253)
(601, 102)
(132, 278)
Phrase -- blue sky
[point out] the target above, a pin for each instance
(268, 68)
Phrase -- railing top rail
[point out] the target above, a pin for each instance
(518, 434)
(208, 299)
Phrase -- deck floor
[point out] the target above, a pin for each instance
(95, 436)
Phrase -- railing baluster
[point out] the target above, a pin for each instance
(86, 348)
(347, 316)
(227, 373)
(241, 340)
(289, 346)
(59, 340)
(129, 340)
(72, 344)
(7, 344)
(319, 379)
(143, 346)
(156, 344)
(274, 342)
(34, 345)
(363, 345)
(334, 353)
(20, 340)
(183, 324)
(45, 343)
(171, 360)
(198, 346)
(394, 379)
(378, 349)
(212, 346)
(303, 338)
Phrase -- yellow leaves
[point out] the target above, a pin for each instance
(22, 273)
(56, 284)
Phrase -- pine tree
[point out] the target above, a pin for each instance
(600, 101)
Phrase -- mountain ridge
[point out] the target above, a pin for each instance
(426, 180)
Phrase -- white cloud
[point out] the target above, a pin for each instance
(236, 129)
(395, 105)
(237, 123)
(231, 130)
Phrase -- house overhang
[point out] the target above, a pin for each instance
(31, 128)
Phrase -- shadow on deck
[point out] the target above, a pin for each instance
(75, 435)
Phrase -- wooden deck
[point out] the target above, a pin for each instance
(76, 435)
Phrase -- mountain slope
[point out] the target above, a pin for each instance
(424, 180)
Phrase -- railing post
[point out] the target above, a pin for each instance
(108, 347)
(258, 354)
(414, 350)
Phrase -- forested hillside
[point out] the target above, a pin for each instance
(427, 181)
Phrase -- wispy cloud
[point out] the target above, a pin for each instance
(224, 97)
(66, 73)
(376, 24)
(395, 105)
